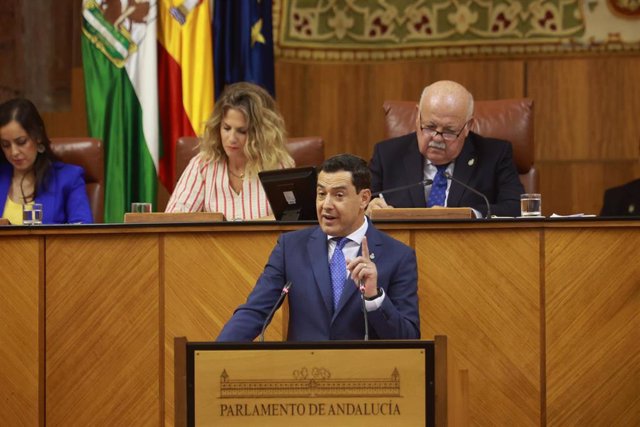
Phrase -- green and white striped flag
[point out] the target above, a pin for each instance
(119, 56)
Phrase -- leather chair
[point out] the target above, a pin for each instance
(306, 151)
(88, 153)
(508, 119)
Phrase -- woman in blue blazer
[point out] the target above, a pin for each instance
(30, 172)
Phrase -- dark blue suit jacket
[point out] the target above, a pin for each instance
(623, 200)
(64, 198)
(301, 257)
(484, 164)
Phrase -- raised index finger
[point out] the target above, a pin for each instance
(365, 249)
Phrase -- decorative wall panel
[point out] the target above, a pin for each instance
(353, 30)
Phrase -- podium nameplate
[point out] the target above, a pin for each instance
(171, 217)
(421, 213)
(374, 383)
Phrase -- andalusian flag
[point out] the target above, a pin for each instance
(119, 55)
(185, 74)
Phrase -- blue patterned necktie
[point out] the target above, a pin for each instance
(338, 268)
(438, 192)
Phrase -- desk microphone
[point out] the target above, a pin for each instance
(364, 310)
(423, 183)
(473, 190)
(283, 294)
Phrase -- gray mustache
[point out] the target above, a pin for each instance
(438, 145)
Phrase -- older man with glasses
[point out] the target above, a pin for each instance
(442, 145)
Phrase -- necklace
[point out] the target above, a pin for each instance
(241, 176)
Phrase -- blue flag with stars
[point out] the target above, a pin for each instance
(243, 43)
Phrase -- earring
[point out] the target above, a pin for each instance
(40, 148)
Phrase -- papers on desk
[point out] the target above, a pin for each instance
(578, 215)
(518, 217)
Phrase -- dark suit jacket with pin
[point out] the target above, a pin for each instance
(623, 200)
(301, 257)
(485, 164)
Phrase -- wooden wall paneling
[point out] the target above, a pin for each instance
(342, 102)
(208, 275)
(593, 326)
(103, 358)
(569, 187)
(558, 88)
(11, 78)
(586, 108)
(20, 329)
(480, 289)
(73, 121)
(324, 100)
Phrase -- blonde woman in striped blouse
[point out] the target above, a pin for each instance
(244, 135)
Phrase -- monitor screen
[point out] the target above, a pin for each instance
(291, 192)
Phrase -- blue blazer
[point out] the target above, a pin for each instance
(301, 257)
(64, 198)
(485, 164)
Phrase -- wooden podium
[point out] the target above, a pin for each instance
(346, 383)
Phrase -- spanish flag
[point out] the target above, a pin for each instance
(185, 76)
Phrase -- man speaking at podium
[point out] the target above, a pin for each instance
(335, 269)
(442, 145)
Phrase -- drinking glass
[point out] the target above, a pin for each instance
(140, 207)
(530, 204)
(32, 214)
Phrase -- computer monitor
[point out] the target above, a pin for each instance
(291, 192)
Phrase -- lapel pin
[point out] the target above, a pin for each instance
(372, 256)
(471, 162)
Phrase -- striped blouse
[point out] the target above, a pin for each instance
(204, 187)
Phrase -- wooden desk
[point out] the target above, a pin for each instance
(543, 314)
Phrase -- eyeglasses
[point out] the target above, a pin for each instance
(446, 135)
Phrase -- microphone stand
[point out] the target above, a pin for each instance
(424, 182)
(473, 190)
(364, 311)
(283, 294)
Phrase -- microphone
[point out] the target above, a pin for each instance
(473, 190)
(283, 294)
(424, 183)
(364, 310)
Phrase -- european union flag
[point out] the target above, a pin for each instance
(243, 43)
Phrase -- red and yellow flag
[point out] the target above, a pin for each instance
(185, 76)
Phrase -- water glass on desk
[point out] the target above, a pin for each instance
(141, 207)
(530, 204)
(32, 214)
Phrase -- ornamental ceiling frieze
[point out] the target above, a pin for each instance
(338, 30)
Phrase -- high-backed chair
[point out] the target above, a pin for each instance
(508, 119)
(88, 153)
(306, 151)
